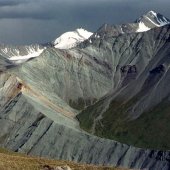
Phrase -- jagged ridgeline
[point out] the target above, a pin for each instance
(114, 84)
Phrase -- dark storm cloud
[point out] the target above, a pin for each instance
(11, 2)
(55, 9)
(46, 19)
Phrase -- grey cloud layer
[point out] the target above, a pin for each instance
(52, 9)
(12, 2)
(46, 19)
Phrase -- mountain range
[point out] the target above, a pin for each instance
(98, 98)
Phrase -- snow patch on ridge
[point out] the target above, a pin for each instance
(142, 27)
(162, 22)
(32, 54)
(26, 57)
(157, 25)
(153, 13)
(71, 39)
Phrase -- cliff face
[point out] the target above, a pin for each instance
(119, 78)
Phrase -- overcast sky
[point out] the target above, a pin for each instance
(40, 21)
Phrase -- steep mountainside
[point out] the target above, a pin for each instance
(31, 124)
(138, 106)
(75, 76)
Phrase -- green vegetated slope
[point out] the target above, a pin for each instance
(150, 130)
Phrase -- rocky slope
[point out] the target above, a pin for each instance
(139, 101)
(29, 126)
(75, 76)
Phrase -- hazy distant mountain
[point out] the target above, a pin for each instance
(20, 54)
(113, 84)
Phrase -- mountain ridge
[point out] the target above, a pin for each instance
(144, 23)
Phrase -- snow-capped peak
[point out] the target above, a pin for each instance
(152, 12)
(160, 19)
(151, 20)
(72, 38)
